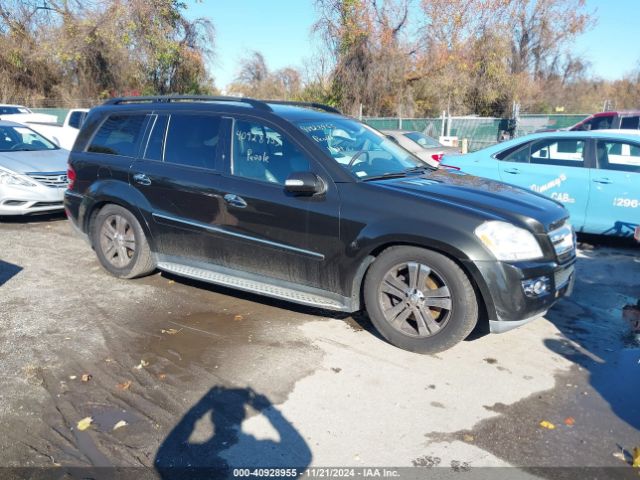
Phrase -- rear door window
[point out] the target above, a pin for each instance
(567, 152)
(518, 154)
(192, 140)
(119, 135)
(616, 155)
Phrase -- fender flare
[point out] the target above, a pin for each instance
(117, 192)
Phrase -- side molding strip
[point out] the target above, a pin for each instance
(223, 231)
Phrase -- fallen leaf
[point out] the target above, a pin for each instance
(468, 438)
(72, 377)
(142, 364)
(84, 423)
(86, 377)
(120, 424)
(636, 457)
(170, 331)
(162, 376)
(238, 318)
(548, 425)
(569, 421)
(124, 385)
(171, 282)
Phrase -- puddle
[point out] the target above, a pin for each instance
(197, 338)
(104, 420)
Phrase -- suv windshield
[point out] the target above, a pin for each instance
(422, 140)
(19, 139)
(360, 149)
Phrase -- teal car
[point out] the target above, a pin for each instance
(595, 175)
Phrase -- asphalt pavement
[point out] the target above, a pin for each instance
(176, 373)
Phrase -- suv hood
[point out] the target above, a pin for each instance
(499, 199)
(35, 161)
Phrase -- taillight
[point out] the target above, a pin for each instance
(71, 176)
(437, 156)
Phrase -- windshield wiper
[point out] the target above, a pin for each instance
(420, 169)
(403, 173)
(386, 175)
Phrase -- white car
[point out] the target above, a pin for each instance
(426, 148)
(33, 171)
(18, 113)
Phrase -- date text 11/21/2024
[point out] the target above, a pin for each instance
(317, 472)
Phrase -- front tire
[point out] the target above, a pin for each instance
(120, 243)
(420, 300)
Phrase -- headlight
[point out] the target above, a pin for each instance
(7, 177)
(508, 242)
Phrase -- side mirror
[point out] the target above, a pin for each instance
(305, 183)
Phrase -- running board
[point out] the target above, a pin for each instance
(260, 285)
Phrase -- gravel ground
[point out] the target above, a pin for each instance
(206, 376)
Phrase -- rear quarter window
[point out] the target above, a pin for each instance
(632, 123)
(119, 135)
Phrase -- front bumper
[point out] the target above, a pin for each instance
(508, 305)
(23, 200)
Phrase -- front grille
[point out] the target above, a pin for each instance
(563, 240)
(562, 277)
(51, 179)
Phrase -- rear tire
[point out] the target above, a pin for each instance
(420, 300)
(120, 243)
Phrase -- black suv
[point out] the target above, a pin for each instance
(298, 202)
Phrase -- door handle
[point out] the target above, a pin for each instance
(142, 179)
(513, 171)
(602, 180)
(234, 200)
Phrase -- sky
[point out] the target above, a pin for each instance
(281, 31)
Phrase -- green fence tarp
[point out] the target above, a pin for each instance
(61, 113)
(479, 131)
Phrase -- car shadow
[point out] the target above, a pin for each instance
(185, 454)
(595, 336)
(39, 218)
(7, 271)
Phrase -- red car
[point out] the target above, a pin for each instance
(629, 120)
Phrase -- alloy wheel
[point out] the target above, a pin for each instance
(415, 299)
(117, 241)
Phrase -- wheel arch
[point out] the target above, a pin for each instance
(485, 301)
(121, 194)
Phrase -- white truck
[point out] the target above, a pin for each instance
(64, 135)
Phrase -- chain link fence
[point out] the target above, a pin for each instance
(480, 132)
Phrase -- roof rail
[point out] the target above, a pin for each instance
(319, 106)
(258, 104)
